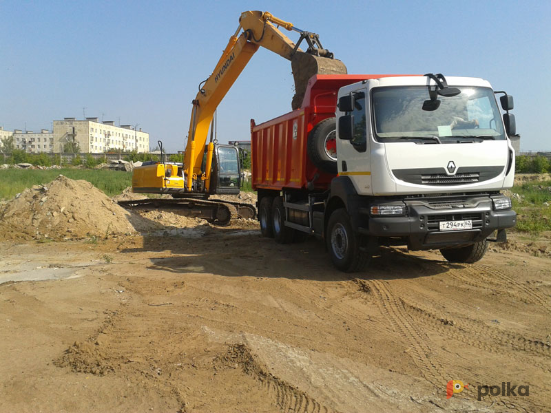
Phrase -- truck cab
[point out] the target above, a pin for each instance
(420, 161)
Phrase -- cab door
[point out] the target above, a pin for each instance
(353, 154)
(226, 170)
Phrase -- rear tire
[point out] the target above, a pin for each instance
(321, 146)
(282, 233)
(349, 250)
(265, 217)
(469, 254)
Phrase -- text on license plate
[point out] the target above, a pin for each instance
(455, 225)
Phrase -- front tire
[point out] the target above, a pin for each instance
(469, 254)
(348, 250)
(265, 217)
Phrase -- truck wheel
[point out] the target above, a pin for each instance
(322, 146)
(348, 249)
(469, 254)
(282, 234)
(265, 216)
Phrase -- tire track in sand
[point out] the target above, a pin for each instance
(482, 336)
(287, 397)
(402, 322)
(486, 277)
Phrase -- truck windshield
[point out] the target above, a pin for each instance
(472, 115)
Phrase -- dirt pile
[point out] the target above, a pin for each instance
(167, 223)
(63, 209)
(305, 65)
(525, 178)
(128, 195)
(242, 197)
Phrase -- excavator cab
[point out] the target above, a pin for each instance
(226, 175)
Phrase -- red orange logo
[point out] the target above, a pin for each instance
(454, 387)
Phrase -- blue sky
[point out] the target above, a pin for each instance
(140, 62)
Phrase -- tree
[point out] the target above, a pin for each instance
(245, 157)
(71, 147)
(540, 164)
(7, 145)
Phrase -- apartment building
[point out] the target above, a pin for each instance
(4, 134)
(33, 142)
(94, 136)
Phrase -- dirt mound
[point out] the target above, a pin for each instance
(62, 209)
(158, 222)
(128, 195)
(84, 357)
(243, 197)
(305, 65)
(537, 246)
(524, 178)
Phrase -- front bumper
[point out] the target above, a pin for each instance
(421, 225)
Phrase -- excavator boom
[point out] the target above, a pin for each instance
(258, 30)
(194, 178)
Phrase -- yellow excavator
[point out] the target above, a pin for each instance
(211, 168)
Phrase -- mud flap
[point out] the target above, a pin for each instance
(500, 237)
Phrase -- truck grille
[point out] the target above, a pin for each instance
(433, 221)
(439, 177)
(457, 179)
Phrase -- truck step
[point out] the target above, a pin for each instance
(298, 227)
(300, 207)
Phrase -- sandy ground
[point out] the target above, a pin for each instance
(220, 319)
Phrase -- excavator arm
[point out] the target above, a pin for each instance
(255, 29)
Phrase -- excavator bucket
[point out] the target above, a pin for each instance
(305, 65)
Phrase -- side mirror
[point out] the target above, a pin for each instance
(510, 124)
(346, 103)
(433, 103)
(449, 92)
(430, 105)
(345, 127)
(507, 102)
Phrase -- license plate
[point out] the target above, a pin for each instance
(456, 225)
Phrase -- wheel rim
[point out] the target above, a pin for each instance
(339, 241)
(330, 145)
(277, 223)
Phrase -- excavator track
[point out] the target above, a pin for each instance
(217, 212)
(246, 211)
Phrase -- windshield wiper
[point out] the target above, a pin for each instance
(485, 137)
(423, 138)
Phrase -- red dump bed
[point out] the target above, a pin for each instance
(279, 157)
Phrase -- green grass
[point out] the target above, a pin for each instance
(534, 216)
(247, 186)
(14, 181)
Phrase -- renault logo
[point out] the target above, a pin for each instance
(451, 167)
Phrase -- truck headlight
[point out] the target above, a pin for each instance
(502, 202)
(388, 210)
